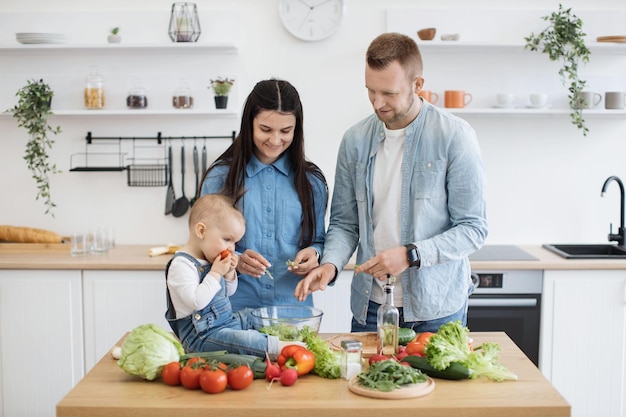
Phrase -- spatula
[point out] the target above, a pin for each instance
(181, 205)
(170, 196)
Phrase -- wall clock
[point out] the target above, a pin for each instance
(311, 20)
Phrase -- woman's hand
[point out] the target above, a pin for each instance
(252, 263)
(304, 262)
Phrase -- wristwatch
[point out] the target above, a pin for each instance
(413, 256)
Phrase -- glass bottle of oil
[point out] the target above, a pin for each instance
(388, 321)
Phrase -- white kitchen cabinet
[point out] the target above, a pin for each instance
(116, 302)
(41, 339)
(583, 339)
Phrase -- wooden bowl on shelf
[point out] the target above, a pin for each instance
(426, 34)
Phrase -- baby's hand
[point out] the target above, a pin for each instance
(222, 266)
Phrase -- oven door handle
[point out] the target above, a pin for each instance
(502, 302)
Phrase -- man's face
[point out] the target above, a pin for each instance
(392, 95)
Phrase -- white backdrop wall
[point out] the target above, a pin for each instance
(544, 177)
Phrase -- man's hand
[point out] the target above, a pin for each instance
(315, 280)
(389, 262)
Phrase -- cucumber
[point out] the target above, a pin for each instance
(454, 371)
(405, 335)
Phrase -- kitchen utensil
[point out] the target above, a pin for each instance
(182, 204)
(405, 391)
(196, 173)
(170, 196)
(204, 167)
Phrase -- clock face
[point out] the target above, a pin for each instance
(311, 20)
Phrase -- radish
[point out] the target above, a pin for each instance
(272, 371)
(288, 377)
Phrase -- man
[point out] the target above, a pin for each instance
(409, 191)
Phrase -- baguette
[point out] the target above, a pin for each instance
(20, 234)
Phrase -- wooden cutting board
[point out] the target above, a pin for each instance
(616, 38)
(367, 339)
(407, 391)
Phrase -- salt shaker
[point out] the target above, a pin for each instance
(351, 352)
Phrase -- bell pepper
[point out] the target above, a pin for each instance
(297, 357)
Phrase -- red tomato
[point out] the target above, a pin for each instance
(224, 253)
(240, 377)
(401, 355)
(190, 376)
(377, 358)
(171, 373)
(195, 359)
(213, 380)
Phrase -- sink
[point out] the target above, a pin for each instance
(588, 251)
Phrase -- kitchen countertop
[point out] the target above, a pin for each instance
(107, 390)
(135, 257)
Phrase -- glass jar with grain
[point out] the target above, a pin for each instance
(94, 89)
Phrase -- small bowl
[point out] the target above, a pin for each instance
(287, 321)
(426, 34)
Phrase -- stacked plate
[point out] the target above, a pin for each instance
(40, 37)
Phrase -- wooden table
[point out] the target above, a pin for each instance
(107, 391)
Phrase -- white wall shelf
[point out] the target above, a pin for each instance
(209, 47)
(604, 48)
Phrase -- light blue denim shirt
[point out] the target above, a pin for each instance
(442, 210)
(273, 216)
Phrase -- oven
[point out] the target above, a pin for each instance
(508, 301)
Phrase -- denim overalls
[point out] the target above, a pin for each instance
(215, 327)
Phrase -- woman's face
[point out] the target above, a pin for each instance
(272, 133)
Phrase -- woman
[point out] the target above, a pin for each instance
(282, 195)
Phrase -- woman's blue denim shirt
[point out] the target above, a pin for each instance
(442, 210)
(273, 216)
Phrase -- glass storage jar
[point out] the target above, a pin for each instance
(94, 89)
(137, 96)
(182, 98)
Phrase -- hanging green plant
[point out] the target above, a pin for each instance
(32, 111)
(563, 40)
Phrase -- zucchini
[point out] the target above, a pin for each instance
(405, 335)
(454, 371)
(255, 363)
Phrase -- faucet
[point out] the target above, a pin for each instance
(620, 237)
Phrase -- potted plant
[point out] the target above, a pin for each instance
(563, 40)
(32, 111)
(221, 87)
(114, 36)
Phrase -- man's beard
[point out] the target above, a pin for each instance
(399, 116)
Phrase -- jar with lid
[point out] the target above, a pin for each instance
(137, 96)
(182, 98)
(94, 89)
(351, 352)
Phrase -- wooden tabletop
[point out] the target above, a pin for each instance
(107, 391)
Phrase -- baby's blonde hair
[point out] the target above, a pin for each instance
(213, 209)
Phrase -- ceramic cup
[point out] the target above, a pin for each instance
(614, 99)
(505, 99)
(429, 96)
(589, 100)
(457, 99)
(79, 244)
(538, 100)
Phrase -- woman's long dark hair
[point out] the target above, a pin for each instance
(280, 96)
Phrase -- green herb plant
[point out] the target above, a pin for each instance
(563, 40)
(221, 86)
(32, 111)
(115, 31)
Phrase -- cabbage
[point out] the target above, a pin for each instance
(147, 349)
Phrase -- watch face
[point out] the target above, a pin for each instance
(311, 20)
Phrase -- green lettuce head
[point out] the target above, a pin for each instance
(147, 349)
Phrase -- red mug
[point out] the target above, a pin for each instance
(457, 99)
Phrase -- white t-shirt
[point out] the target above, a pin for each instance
(386, 192)
(187, 294)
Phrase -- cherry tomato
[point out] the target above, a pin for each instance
(377, 358)
(171, 373)
(213, 380)
(190, 376)
(195, 359)
(224, 254)
(240, 377)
